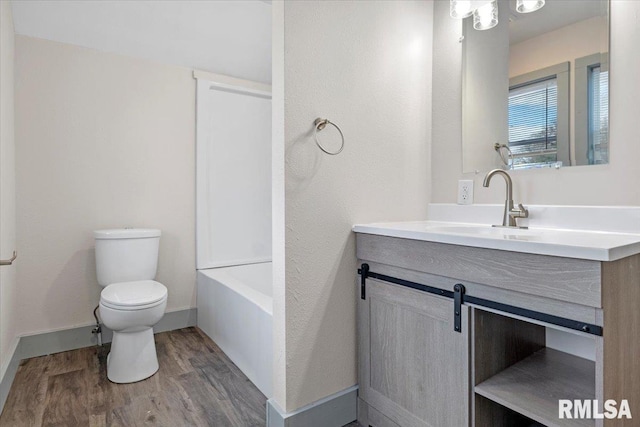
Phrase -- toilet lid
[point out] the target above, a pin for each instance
(133, 294)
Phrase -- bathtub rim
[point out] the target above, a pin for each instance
(221, 276)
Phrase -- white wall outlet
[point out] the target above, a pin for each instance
(465, 192)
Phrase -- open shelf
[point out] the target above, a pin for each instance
(533, 386)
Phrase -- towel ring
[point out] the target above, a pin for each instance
(320, 124)
(499, 149)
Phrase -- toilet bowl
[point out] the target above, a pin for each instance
(131, 302)
(130, 309)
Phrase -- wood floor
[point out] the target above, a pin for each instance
(197, 385)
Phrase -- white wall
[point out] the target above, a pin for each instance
(102, 140)
(366, 66)
(613, 184)
(7, 189)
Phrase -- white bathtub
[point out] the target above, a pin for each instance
(235, 311)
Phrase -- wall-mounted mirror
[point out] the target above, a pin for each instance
(536, 87)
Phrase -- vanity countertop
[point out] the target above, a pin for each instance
(591, 245)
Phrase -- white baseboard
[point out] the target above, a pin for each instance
(335, 410)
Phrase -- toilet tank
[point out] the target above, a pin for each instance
(128, 254)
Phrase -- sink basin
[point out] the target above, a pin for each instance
(487, 231)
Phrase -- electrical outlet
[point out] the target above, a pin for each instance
(465, 192)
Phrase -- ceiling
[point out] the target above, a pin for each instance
(554, 15)
(225, 37)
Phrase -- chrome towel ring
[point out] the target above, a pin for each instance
(500, 148)
(9, 261)
(320, 124)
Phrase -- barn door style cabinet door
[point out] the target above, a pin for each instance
(413, 367)
(457, 336)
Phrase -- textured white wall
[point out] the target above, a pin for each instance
(613, 184)
(366, 66)
(102, 141)
(7, 189)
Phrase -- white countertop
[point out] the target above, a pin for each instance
(591, 245)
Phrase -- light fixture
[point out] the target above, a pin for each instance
(486, 17)
(460, 9)
(526, 6)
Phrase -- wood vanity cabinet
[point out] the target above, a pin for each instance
(415, 370)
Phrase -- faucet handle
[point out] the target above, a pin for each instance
(521, 212)
(524, 210)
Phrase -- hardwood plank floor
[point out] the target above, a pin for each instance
(197, 385)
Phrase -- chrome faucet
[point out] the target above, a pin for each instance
(510, 213)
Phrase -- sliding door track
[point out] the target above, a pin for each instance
(460, 297)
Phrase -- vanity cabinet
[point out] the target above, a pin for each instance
(415, 367)
(415, 370)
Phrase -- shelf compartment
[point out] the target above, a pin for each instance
(533, 386)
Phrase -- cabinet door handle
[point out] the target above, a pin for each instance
(458, 300)
(364, 272)
(9, 261)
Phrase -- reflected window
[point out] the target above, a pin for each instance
(533, 123)
(598, 150)
(592, 109)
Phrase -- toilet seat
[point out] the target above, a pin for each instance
(136, 295)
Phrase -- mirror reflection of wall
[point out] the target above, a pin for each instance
(556, 67)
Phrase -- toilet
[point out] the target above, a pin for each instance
(131, 302)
